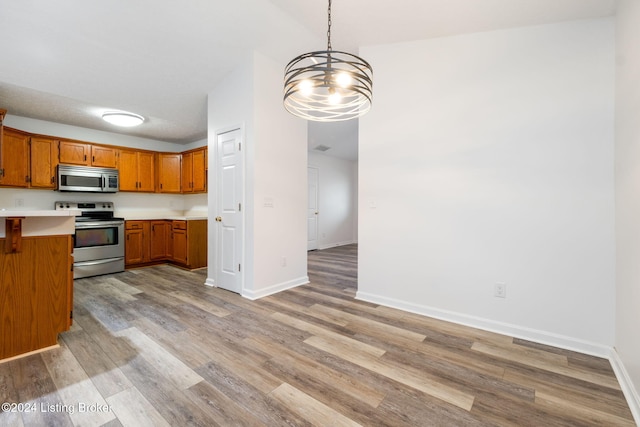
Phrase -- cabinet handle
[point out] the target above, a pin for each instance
(93, 159)
(85, 157)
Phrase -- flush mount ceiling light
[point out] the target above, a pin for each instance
(328, 85)
(123, 119)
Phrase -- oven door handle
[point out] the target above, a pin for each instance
(98, 224)
(98, 262)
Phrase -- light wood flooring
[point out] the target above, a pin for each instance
(155, 347)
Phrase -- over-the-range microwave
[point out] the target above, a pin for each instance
(87, 179)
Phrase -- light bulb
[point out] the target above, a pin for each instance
(305, 87)
(335, 98)
(343, 79)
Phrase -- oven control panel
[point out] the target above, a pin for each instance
(85, 206)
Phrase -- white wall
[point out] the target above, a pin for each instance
(275, 169)
(337, 200)
(128, 205)
(280, 186)
(627, 340)
(489, 158)
(230, 105)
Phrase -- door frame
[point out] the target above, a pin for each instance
(317, 169)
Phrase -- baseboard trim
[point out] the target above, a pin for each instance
(541, 337)
(630, 392)
(335, 245)
(274, 289)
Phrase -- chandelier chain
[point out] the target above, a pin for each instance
(329, 27)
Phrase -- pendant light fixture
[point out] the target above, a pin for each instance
(328, 85)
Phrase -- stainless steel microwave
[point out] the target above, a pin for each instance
(87, 179)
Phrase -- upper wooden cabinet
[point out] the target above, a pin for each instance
(194, 175)
(85, 154)
(43, 152)
(169, 172)
(29, 160)
(104, 157)
(75, 153)
(14, 158)
(137, 170)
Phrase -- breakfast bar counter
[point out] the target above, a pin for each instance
(36, 280)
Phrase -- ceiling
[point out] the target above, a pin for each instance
(70, 60)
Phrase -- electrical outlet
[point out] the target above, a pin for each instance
(19, 203)
(500, 290)
(284, 261)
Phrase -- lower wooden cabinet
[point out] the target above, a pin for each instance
(159, 240)
(180, 242)
(136, 242)
(180, 253)
(36, 291)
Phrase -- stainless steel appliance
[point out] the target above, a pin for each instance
(98, 243)
(87, 179)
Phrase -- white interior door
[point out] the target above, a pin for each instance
(230, 188)
(312, 211)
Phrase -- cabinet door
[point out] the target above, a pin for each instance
(187, 172)
(75, 153)
(136, 246)
(128, 170)
(146, 172)
(199, 177)
(104, 157)
(170, 172)
(159, 240)
(14, 158)
(133, 252)
(43, 162)
(180, 246)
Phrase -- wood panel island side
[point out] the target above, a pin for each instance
(36, 279)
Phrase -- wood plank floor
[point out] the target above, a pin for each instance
(156, 347)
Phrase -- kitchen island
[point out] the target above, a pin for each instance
(36, 279)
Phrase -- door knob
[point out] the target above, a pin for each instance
(219, 219)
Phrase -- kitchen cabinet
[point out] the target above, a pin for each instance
(14, 158)
(189, 243)
(104, 157)
(74, 153)
(43, 161)
(136, 246)
(159, 244)
(85, 154)
(180, 242)
(194, 175)
(169, 172)
(36, 290)
(137, 170)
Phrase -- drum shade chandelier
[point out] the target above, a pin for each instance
(328, 85)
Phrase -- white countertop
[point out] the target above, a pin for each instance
(164, 217)
(41, 222)
(5, 213)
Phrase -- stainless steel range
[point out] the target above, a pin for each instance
(98, 243)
